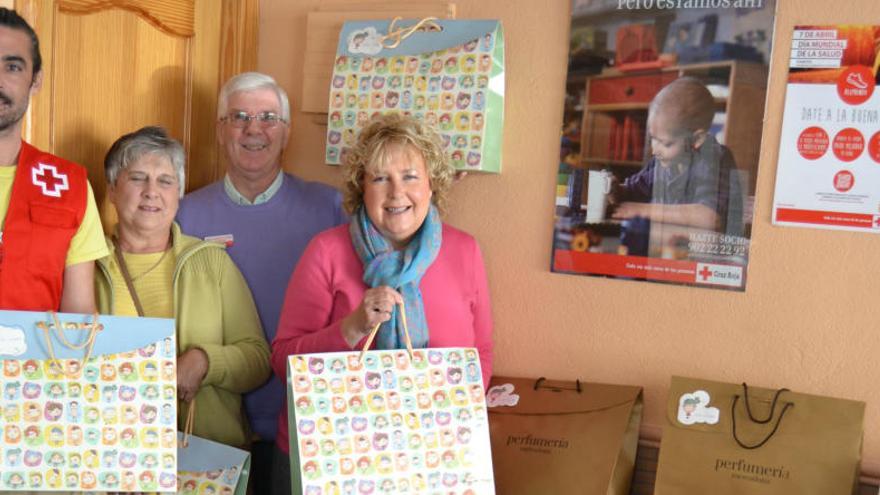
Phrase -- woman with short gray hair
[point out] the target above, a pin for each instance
(131, 147)
(155, 270)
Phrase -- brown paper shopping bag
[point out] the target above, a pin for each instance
(563, 437)
(726, 439)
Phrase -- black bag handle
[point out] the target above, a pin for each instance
(772, 405)
(785, 408)
(541, 380)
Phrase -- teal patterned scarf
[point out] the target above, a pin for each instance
(401, 270)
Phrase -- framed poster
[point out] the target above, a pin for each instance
(828, 174)
(661, 139)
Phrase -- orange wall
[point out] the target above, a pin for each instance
(808, 321)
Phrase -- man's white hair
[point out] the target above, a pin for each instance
(250, 81)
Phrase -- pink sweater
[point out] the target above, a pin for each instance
(327, 286)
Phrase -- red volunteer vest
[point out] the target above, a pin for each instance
(47, 206)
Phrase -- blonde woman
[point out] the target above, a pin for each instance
(396, 249)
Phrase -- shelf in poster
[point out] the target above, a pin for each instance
(593, 160)
(623, 107)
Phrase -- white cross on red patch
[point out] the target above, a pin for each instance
(49, 180)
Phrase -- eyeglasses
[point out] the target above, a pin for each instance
(265, 120)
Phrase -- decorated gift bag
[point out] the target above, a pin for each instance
(87, 403)
(563, 437)
(449, 73)
(391, 421)
(205, 466)
(726, 439)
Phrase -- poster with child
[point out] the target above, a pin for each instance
(661, 138)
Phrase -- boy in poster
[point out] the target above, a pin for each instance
(690, 179)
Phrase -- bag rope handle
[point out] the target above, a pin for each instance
(785, 408)
(81, 326)
(396, 36)
(772, 405)
(94, 327)
(406, 338)
(190, 422)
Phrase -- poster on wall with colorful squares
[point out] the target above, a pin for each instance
(661, 139)
(389, 423)
(87, 406)
(829, 151)
(448, 73)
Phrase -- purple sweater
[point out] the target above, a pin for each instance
(268, 240)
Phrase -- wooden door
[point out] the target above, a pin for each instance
(113, 66)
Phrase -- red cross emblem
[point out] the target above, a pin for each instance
(49, 180)
(876, 221)
(705, 273)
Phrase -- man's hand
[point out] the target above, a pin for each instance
(192, 366)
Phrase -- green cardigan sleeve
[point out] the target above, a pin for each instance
(241, 363)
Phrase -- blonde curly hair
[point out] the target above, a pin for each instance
(370, 154)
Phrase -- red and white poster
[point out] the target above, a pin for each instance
(828, 174)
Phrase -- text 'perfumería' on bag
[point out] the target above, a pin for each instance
(693, 408)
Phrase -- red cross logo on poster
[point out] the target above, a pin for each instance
(705, 273)
(49, 180)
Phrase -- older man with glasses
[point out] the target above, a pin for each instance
(266, 217)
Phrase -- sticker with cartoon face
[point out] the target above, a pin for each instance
(450, 65)
(462, 124)
(389, 379)
(30, 370)
(694, 408)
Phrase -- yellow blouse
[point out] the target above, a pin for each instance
(151, 276)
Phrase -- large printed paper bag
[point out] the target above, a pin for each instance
(87, 404)
(394, 421)
(205, 466)
(563, 437)
(448, 73)
(726, 439)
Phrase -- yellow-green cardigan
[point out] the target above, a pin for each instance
(214, 311)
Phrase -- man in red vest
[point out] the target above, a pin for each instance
(50, 231)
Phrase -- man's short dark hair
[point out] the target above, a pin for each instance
(12, 20)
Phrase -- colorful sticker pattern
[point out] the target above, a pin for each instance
(446, 88)
(391, 424)
(218, 481)
(108, 425)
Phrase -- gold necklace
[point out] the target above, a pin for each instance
(148, 270)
